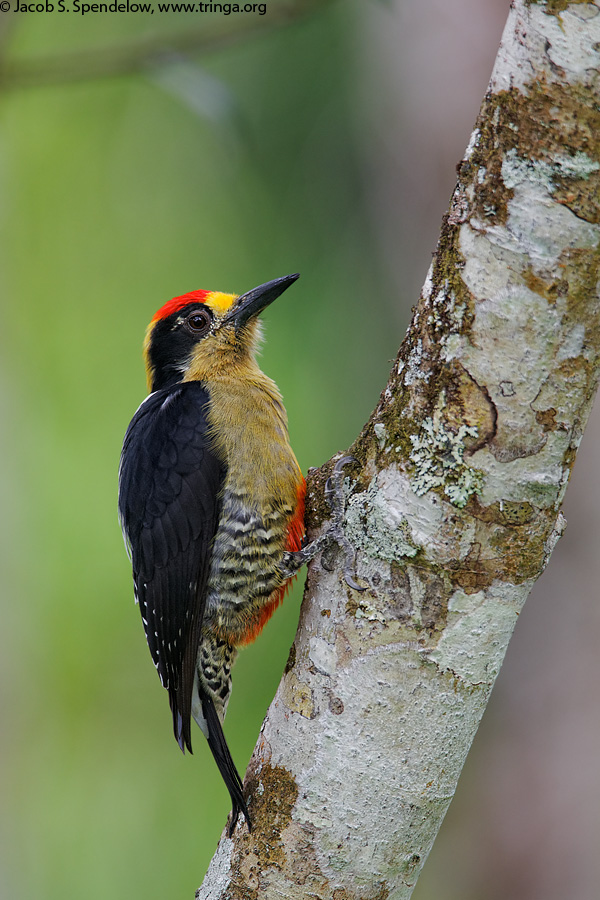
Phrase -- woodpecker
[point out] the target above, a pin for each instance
(211, 503)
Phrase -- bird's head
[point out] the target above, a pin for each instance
(206, 333)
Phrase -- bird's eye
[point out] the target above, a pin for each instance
(198, 322)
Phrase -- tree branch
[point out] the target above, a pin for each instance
(146, 52)
(454, 505)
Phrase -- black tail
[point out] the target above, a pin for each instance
(229, 773)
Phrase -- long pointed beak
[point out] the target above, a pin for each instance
(253, 302)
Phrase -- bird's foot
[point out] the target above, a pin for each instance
(334, 495)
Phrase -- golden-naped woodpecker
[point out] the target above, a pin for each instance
(211, 502)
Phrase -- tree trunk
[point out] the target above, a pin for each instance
(453, 504)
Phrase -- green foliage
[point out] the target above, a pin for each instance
(120, 194)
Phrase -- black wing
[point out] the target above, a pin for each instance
(170, 481)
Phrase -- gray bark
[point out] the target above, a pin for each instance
(454, 503)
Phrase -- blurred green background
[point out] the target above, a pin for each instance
(298, 147)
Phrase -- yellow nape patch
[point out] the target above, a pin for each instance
(220, 303)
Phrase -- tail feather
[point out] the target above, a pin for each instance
(181, 723)
(229, 773)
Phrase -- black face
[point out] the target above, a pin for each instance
(173, 340)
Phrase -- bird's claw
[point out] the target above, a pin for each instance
(334, 495)
(334, 487)
(349, 579)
